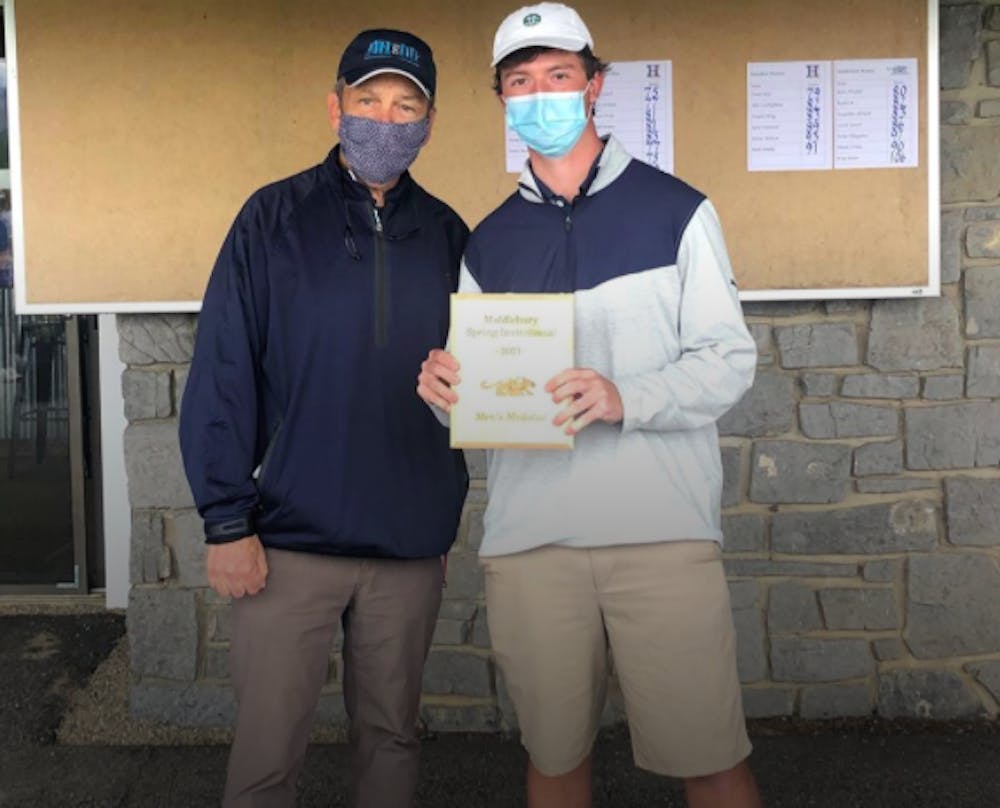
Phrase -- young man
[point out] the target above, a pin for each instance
(617, 542)
(328, 489)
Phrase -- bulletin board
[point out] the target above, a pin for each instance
(139, 128)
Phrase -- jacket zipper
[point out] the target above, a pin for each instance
(381, 315)
(567, 210)
(266, 460)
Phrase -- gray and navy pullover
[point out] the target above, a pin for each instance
(656, 313)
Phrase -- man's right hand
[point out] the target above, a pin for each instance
(236, 568)
(438, 374)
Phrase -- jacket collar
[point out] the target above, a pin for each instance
(399, 215)
(611, 162)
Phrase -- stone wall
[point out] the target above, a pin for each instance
(861, 504)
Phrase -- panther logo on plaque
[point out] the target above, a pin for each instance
(519, 386)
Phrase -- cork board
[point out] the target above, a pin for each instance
(142, 127)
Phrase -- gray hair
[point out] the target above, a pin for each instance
(338, 88)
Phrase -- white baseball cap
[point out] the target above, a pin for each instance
(551, 25)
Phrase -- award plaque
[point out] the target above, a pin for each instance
(508, 347)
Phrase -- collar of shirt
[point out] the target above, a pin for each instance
(552, 197)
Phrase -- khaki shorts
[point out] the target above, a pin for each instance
(664, 611)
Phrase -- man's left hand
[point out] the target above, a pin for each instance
(590, 397)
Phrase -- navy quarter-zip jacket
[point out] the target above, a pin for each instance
(300, 420)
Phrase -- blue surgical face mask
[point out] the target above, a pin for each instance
(378, 151)
(548, 123)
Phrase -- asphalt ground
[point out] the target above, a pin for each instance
(48, 663)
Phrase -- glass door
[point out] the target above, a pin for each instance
(41, 525)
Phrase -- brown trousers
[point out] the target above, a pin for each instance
(279, 654)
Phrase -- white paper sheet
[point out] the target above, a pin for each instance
(876, 113)
(789, 116)
(636, 105)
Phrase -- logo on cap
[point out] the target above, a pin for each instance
(532, 19)
(382, 48)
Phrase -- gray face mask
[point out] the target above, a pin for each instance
(378, 152)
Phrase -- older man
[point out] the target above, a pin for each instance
(328, 490)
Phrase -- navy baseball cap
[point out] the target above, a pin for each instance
(383, 50)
